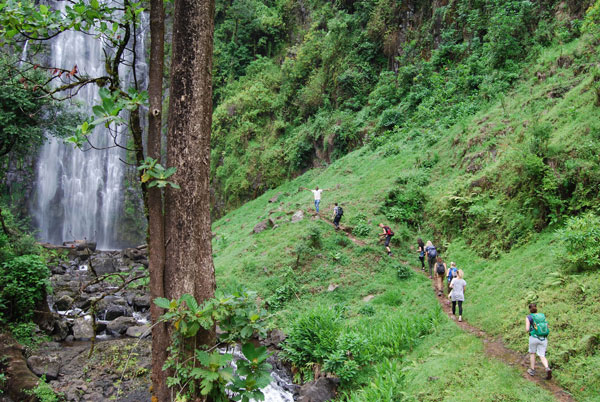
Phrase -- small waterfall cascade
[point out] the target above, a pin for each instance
(79, 193)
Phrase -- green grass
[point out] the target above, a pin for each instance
(502, 219)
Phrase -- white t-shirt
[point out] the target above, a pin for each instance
(317, 194)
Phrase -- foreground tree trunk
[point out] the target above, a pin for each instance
(188, 265)
(156, 223)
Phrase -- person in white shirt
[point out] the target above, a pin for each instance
(317, 194)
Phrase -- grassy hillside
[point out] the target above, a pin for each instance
(491, 191)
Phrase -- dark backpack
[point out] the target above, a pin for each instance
(340, 212)
(431, 252)
(388, 231)
(439, 268)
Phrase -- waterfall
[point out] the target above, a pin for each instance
(79, 193)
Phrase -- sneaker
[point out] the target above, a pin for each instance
(531, 372)
(548, 374)
(390, 254)
(460, 318)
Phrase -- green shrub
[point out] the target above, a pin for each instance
(44, 393)
(363, 229)
(350, 354)
(315, 237)
(23, 282)
(580, 243)
(312, 338)
(404, 271)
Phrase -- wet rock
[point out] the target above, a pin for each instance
(103, 264)
(275, 337)
(298, 216)
(119, 326)
(58, 270)
(138, 331)
(134, 254)
(19, 378)
(44, 365)
(141, 302)
(320, 390)
(263, 225)
(60, 330)
(109, 301)
(63, 303)
(113, 312)
(82, 329)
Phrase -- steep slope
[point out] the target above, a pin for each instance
(490, 191)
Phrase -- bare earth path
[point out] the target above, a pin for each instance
(494, 347)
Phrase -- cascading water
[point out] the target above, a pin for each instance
(79, 194)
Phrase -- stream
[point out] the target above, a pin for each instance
(120, 365)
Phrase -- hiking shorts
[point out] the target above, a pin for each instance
(538, 346)
(387, 240)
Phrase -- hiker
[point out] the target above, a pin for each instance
(431, 256)
(457, 295)
(337, 215)
(439, 274)
(317, 194)
(452, 273)
(388, 233)
(537, 328)
(421, 251)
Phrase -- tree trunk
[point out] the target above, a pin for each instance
(156, 223)
(189, 265)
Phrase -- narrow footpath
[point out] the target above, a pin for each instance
(494, 347)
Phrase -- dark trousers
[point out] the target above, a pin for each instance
(431, 262)
(422, 259)
(459, 307)
(336, 221)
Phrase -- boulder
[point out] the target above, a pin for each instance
(320, 390)
(135, 254)
(58, 270)
(82, 329)
(44, 365)
(20, 380)
(120, 325)
(263, 225)
(275, 198)
(141, 302)
(102, 264)
(113, 312)
(298, 216)
(64, 302)
(138, 331)
(275, 337)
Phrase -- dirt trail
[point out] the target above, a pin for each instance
(495, 347)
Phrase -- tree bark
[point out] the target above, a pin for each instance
(188, 264)
(156, 223)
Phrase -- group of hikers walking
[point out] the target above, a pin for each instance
(535, 323)
(439, 272)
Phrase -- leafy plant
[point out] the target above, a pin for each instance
(23, 283)
(404, 271)
(156, 175)
(579, 242)
(239, 317)
(44, 393)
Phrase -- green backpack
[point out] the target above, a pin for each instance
(539, 328)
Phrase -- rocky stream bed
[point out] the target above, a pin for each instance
(112, 318)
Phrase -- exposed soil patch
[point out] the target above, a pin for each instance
(494, 347)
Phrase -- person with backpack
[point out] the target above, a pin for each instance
(387, 233)
(338, 212)
(457, 295)
(537, 328)
(439, 274)
(431, 253)
(421, 251)
(452, 273)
